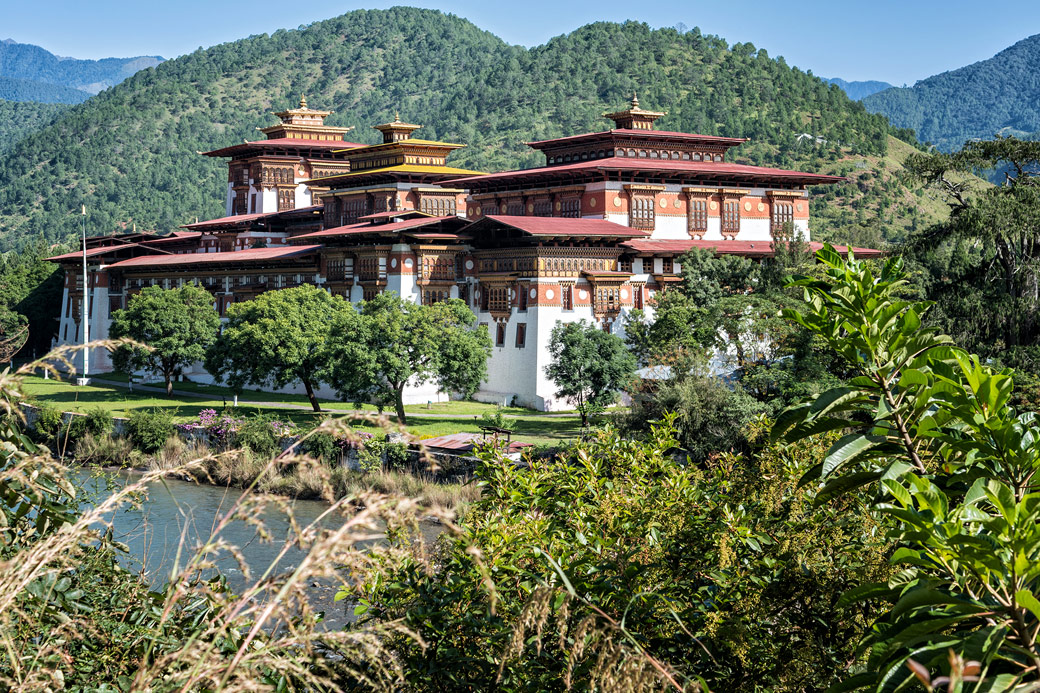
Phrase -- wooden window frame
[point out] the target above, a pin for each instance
(730, 225)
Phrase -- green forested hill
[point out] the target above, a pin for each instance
(129, 154)
(999, 95)
(12, 89)
(19, 118)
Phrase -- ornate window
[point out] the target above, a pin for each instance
(567, 296)
(353, 208)
(515, 208)
(543, 208)
(431, 296)
(637, 296)
(521, 291)
(489, 207)
(438, 205)
(286, 199)
(368, 268)
(667, 266)
(335, 270)
(570, 207)
(521, 335)
(498, 299)
(625, 265)
(607, 299)
(641, 213)
(500, 334)
(697, 220)
(730, 219)
(783, 213)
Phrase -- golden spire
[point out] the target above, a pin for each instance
(397, 116)
(634, 117)
(303, 101)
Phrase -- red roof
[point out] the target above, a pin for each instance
(91, 252)
(566, 226)
(617, 163)
(365, 227)
(747, 248)
(248, 255)
(642, 134)
(237, 219)
(282, 143)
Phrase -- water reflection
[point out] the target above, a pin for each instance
(182, 514)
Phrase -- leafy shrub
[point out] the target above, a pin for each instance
(493, 419)
(730, 572)
(322, 446)
(48, 423)
(396, 455)
(375, 454)
(711, 417)
(98, 421)
(149, 429)
(258, 434)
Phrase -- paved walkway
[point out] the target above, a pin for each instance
(325, 406)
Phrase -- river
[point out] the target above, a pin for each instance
(174, 509)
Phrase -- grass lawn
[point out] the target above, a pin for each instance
(530, 426)
(219, 393)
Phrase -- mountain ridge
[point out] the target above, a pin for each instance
(33, 63)
(999, 95)
(857, 90)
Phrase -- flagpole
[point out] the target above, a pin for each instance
(84, 379)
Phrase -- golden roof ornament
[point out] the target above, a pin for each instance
(303, 101)
(396, 131)
(634, 117)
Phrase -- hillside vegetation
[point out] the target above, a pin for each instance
(12, 89)
(19, 118)
(129, 154)
(999, 95)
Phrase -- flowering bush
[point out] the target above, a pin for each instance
(261, 432)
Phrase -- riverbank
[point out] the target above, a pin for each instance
(296, 478)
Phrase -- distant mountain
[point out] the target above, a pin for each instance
(998, 95)
(28, 62)
(20, 118)
(12, 89)
(858, 90)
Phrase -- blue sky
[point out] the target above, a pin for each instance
(897, 42)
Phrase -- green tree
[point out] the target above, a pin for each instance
(13, 332)
(954, 465)
(177, 324)
(983, 263)
(588, 366)
(33, 287)
(277, 339)
(391, 343)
